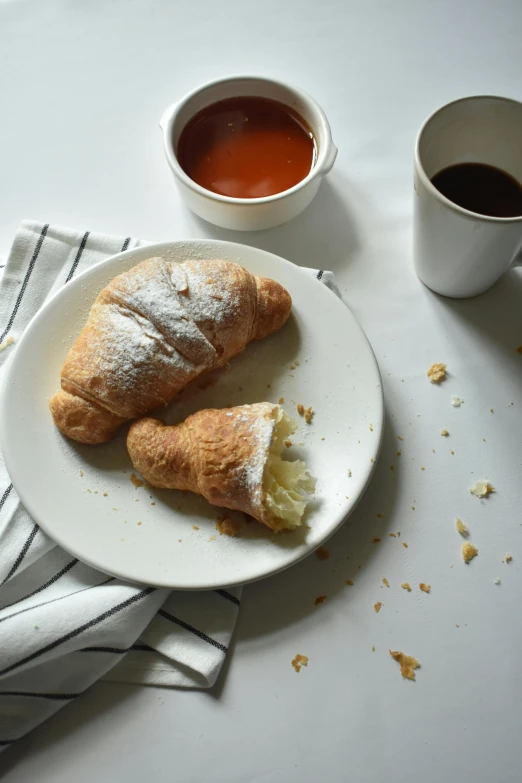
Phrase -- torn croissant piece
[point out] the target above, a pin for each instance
(151, 331)
(232, 457)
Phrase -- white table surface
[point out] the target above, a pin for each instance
(82, 87)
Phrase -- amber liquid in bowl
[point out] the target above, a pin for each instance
(247, 147)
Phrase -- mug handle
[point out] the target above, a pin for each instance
(517, 261)
(167, 114)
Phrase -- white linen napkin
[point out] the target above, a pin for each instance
(64, 625)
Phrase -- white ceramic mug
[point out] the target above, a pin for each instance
(456, 252)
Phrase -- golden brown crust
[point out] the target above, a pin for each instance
(83, 421)
(155, 328)
(219, 454)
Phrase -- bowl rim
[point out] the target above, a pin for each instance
(325, 156)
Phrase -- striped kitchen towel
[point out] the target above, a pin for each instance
(64, 625)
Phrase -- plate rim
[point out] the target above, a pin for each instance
(157, 248)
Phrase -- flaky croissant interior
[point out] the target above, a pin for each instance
(286, 483)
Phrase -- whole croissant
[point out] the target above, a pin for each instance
(232, 457)
(151, 331)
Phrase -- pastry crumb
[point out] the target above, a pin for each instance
(349, 582)
(212, 538)
(281, 400)
(81, 473)
(424, 587)
(437, 372)
(377, 607)
(300, 660)
(469, 552)
(405, 545)
(406, 586)
(481, 489)
(407, 663)
(392, 535)
(370, 427)
(399, 437)
(136, 481)
(138, 523)
(349, 473)
(308, 414)
(385, 582)
(288, 443)
(456, 401)
(373, 648)
(444, 432)
(398, 453)
(227, 526)
(508, 558)
(423, 468)
(461, 527)
(320, 600)
(195, 527)
(300, 409)
(322, 553)
(153, 503)
(491, 410)
(376, 540)
(6, 343)
(105, 494)
(297, 363)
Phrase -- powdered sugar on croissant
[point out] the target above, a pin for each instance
(232, 457)
(151, 331)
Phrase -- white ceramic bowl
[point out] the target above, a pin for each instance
(255, 213)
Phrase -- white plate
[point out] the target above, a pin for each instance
(82, 496)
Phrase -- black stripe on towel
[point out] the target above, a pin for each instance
(193, 630)
(78, 256)
(119, 650)
(23, 552)
(5, 496)
(26, 280)
(320, 274)
(229, 597)
(50, 582)
(54, 696)
(125, 245)
(77, 631)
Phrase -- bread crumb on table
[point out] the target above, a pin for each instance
(6, 343)
(461, 527)
(135, 480)
(281, 400)
(373, 648)
(376, 540)
(406, 586)
(195, 527)
(385, 582)
(377, 607)
(444, 432)
(81, 473)
(288, 443)
(424, 587)
(437, 372)
(308, 414)
(392, 535)
(508, 558)
(227, 526)
(407, 663)
(300, 660)
(322, 553)
(405, 545)
(481, 489)
(300, 409)
(469, 551)
(320, 600)
(399, 437)
(349, 582)
(456, 401)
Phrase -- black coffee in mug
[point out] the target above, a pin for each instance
(481, 188)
